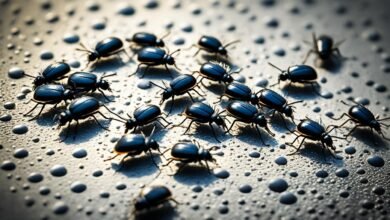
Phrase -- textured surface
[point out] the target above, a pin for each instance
(42, 178)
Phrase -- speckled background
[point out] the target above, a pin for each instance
(44, 179)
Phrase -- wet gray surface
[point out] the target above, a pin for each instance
(44, 179)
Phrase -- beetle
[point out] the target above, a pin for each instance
(219, 72)
(188, 152)
(86, 82)
(201, 113)
(309, 129)
(144, 115)
(154, 56)
(241, 92)
(362, 117)
(324, 47)
(51, 73)
(247, 113)
(213, 45)
(50, 94)
(303, 74)
(104, 48)
(82, 108)
(277, 103)
(153, 196)
(144, 39)
(178, 86)
(134, 144)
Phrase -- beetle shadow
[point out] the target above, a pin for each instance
(277, 123)
(157, 73)
(165, 211)
(87, 130)
(195, 174)
(300, 92)
(47, 118)
(204, 132)
(334, 64)
(138, 166)
(215, 58)
(313, 151)
(179, 104)
(249, 135)
(110, 64)
(214, 87)
(372, 140)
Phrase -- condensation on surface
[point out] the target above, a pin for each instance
(42, 178)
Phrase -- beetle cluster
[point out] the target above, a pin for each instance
(245, 106)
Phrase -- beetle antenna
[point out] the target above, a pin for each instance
(152, 133)
(314, 37)
(28, 75)
(109, 75)
(292, 103)
(176, 66)
(124, 120)
(337, 44)
(157, 85)
(275, 67)
(178, 50)
(166, 34)
(383, 119)
(342, 101)
(164, 84)
(231, 43)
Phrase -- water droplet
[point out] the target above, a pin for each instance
(287, 198)
(322, 174)
(78, 187)
(350, 150)
(144, 84)
(245, 188)
(79, 153)
(15, 72)
(46, 55)
(221, 173)
(20, 129)
(375, 161)
(60, 207)
(278, 185)
(278, 51)
(126, 10)
(58, 170)
(71, 38)
(120, 186)
(342, 172)
(20, 153)
(35, 177)
(254, 154)
(281, 160)
(8, 165)
(5, 117)
(9, 105)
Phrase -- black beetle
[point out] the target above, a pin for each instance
(219, 72)
(199, 112)
(247, 113)
(145, 39)
(363, 117)
(324, 47)
(188, 152)
(153, 196)
(135, 144)
(213, 45)
(299, 74)
(178, 86)
(51, 73)
(144, 115)
(241, 92)
(105, 48)
(309, 129)
(50, 94)
(154, 56)
(86, 82)
(82, 108)
(277, 103)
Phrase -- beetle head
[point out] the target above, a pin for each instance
(375, 125)
(93, 56)
(160, 43)
(260, 120)
(140, 203)
(104, 85)
(39, 80)
(166, 94)
(288, 111)
(228, 78)
(130, 124)
(327, 139)
(64, 117)
(169, 59)
(222, 51)
(206, 155)
(69, 94)
(153, 144)
(283, 76)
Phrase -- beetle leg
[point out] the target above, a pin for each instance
(180, 122)
(164, 120)
(285, 123)
(169, 71)
(344, 114)
(136, 71)
(189, 126)
(197, 92)
(383, 124)
(76, 130)
(196, 53)
(192, 98)
(212, 129)
(176, 202)
(352, 130)
(261, 138)
(169, 161)
(384, 137)
(121, 163)
(382, 119)
(97, 121)
(40, 111)
(299, 147)
(113, 114)
(208, 167)
(111, 158)
(231, 126)
(170, 109)
(67, 133)
(151, 157)
(104, 95)
(307, 55)
(292, 143)
(32, 109)
(201, 81)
